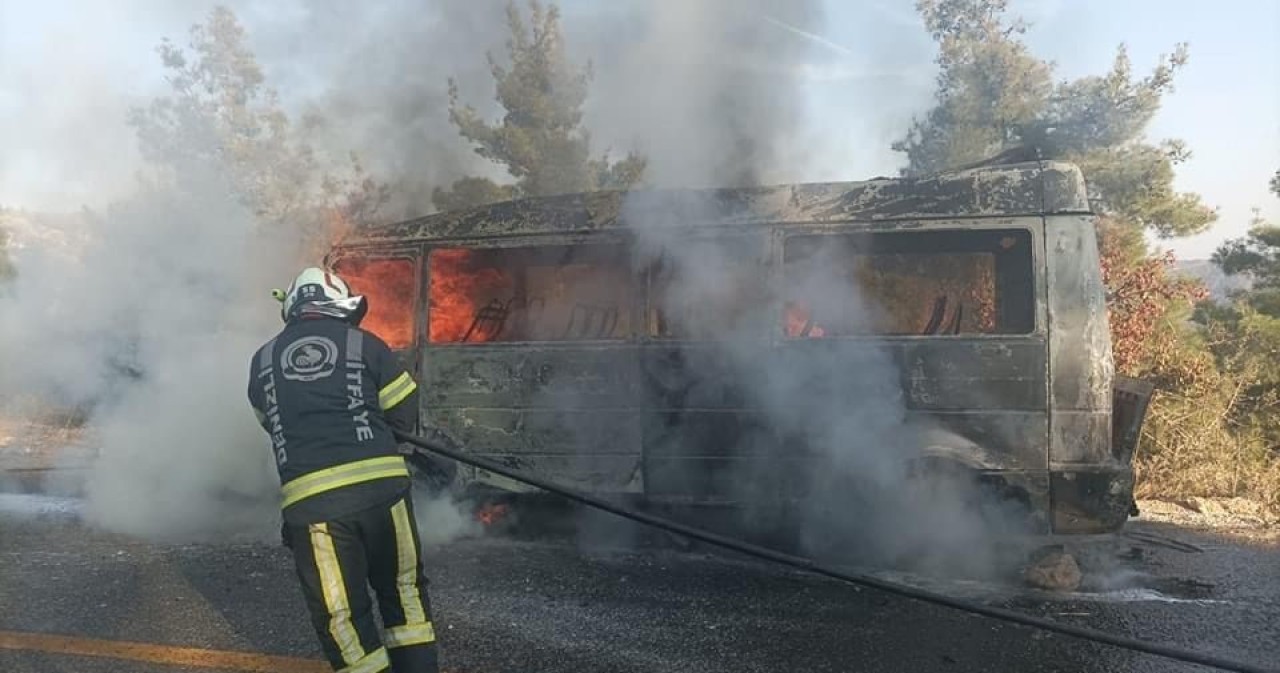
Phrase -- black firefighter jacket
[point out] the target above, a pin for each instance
(328, 395)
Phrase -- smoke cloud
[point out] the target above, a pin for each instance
(826, 422)
(377, 76)
(708, 90)
(154, 322)
(149, 319)
(716, 112)
(150, 326)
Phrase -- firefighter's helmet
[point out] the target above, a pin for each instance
(318, 291)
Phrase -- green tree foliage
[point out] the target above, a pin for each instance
(1258, 255)
(988, 85)
(220, 112)
(1207, 430)
(1249, 326)
(471, 191)
(994, 94)
(540, 140)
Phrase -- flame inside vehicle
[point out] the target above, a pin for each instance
(390, 286)
(799, 321)
(458, 286)
(562, 293)
(491, 513)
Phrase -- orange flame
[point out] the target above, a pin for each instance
(491, 513)
(457, 293)
(390, 286)
(797, 316)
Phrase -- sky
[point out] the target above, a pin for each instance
(70, 69)
(1226, 103)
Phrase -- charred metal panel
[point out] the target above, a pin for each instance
(693, 376)
(711, 434)
(592, 449)
(522, 376)
(982, 398)
(1016, 189)
(705, 437)
(565, 413)
(1091, 500)
(540, 431)
(983, 440)
(588, 473)
(937, 374)
(739, 481)
(989, 439)
(721, 456)
(1064, 189)
(1130, 401)
(1079, 343)
(988, 393)
(1080, 436)
(1030, 487)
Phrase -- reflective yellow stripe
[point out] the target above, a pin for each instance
(376, 661)
(407, 567)
(410, 634)
(335, 597)
(394, 393)
(343, 475)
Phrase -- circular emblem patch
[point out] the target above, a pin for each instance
(308, 359)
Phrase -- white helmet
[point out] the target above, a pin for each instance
(320, 292)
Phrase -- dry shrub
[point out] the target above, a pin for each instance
(1205, 434)
(1190, 448)
(1199, 440)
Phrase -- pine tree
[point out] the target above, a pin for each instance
(994, 94)
(1257, 255)
(539, 140)
(220, 111)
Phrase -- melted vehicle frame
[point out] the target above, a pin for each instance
(1029, 402)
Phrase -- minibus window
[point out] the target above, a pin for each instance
(544, 293)
(710, 290)
(916, 283)
(390, 285)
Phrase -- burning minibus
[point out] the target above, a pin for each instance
(662, 345)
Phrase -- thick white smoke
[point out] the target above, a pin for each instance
(150, 321)
(710, 91)
(378, 73)
(155, 324)
(711, 116)
(151, 326)
(839, 432)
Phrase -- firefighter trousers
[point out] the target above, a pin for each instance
(337, 561)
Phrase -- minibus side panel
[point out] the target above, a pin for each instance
(564, 412)
(1079, 344)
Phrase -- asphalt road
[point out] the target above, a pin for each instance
(505, 605)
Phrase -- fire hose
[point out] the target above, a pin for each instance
(1012, 616)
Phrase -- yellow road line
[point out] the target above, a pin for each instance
(249, 662)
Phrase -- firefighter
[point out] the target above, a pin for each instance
(328, 395)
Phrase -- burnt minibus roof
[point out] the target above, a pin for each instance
(1026, 188)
